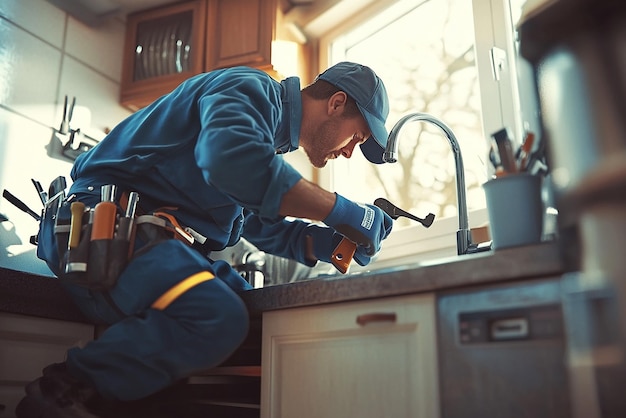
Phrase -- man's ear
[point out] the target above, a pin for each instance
(337, 102)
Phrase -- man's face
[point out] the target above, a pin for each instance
(334, 137)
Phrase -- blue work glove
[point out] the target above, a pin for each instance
(325, 240)
(366, 225)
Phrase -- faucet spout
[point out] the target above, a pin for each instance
(463, 235)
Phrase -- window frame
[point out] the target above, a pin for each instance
(500, 102)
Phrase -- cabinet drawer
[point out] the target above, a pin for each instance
(351, 315)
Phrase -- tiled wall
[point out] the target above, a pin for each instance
(46, 54)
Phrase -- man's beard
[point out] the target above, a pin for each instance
(323, 142)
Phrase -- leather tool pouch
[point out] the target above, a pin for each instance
(95, 264)
(98, 263)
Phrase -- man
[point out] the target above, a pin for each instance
(207, 155)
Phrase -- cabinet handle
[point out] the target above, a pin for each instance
(376, 317)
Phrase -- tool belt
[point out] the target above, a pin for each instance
(96, 244)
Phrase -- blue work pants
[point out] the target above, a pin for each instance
(146, 349)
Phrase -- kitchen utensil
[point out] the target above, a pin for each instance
(152, 70)
(493, 157)
(395, 212)
(143, 54)
(171, 48)
(186, 47)
(505, 150)
(525, 151)
(67, 116)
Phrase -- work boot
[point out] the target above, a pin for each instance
(58, 394)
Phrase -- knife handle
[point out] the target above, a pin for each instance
(342, 255)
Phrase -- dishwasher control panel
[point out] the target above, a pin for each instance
(527, 323)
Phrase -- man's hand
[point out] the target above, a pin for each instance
(324, 242)
(365, 225)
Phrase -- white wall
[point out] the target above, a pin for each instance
(44, 55)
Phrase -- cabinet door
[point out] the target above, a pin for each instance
(163, 47)
(239, 32)
(368, 359)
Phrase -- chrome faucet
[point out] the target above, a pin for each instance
(463, 236)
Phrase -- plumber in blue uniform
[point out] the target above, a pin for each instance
(206, 163)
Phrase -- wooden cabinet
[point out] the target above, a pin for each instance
(366, 359)
(239, 32)
(167, 45)
(163, 47)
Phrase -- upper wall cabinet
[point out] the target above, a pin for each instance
(163, 47)
(240, 32)
(167, 45)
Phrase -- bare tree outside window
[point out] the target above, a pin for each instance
(426, 58)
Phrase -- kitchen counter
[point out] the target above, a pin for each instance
(489, 267)
(28, 294)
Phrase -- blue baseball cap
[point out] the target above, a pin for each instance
(368, 91)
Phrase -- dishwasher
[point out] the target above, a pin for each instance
(502, 351)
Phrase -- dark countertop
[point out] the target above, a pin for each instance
(31, 294)
(28, 294)
(529, 262)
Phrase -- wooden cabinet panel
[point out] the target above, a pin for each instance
(163, 47)
(169, 44)
(359, 359)
(239, 32)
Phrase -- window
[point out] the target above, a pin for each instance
(434, 57)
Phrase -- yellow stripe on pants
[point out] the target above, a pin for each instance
(178, 289)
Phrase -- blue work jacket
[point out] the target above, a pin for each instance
(211, 148)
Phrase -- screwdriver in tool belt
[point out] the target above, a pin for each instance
(125, 229)
(105, 214)
(102, 231)
(77, 209)
(76, 260)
